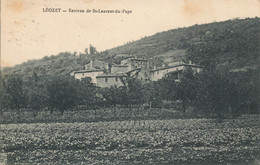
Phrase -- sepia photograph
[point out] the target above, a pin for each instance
(127, 82)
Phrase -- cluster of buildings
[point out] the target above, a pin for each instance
(103, 74)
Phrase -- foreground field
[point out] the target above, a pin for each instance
(182, 141)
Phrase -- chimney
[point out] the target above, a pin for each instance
(91, 64)
(107, 66)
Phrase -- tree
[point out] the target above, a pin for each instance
(36, 91)
(12, 93)
(85, 91)
(62, 93)
(216, 93)
(186, 88)
(92, 50)
(112, 96)
(134, 92)
(86, 51)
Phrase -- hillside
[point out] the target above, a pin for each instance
(232, 43)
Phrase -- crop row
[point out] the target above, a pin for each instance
(157, 141)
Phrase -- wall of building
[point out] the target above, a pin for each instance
(144, 75)
(109, 81)
(119, 69)
(92, 75)
(159, 74)
(138, 64)
(124, 62)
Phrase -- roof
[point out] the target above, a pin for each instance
(191, 65)
(138, 59)
(120, 65)
(122, 55)
(112, 75)
(96, 60)
(86, 71)
(133, 70)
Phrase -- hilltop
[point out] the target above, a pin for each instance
(233, 44)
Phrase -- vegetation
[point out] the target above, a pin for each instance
(218, 94)
(228, 86)
(232, 43)
(185, 141)
(126, 128)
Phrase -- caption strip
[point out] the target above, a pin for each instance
(59, 10)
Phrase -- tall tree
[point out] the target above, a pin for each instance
(86, 51)
(92, 50)
(36, 91)
(85, 91)
(62, 93)
(134, 92)
(112, 96)
(216, 93)
(12, 93)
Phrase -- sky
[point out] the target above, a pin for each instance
(29, 33)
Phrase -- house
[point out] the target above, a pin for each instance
(104, 75)
(122, 55)
(156, 63)
(176, 68)
(87, 73)
(125, 61)
(119, 68)
(142, 74)
(135, 63)
(92, 70)
(108, 80)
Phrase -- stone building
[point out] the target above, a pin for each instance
(135, 63)
(88, 73)
(108, 80)
(145, 70)
(176, 67)
(119, 68)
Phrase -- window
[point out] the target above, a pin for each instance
(82, 74)
(116, 79)
(157, 72)
(106, 79)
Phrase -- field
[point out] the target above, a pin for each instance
(90, 115)
(174, 141)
